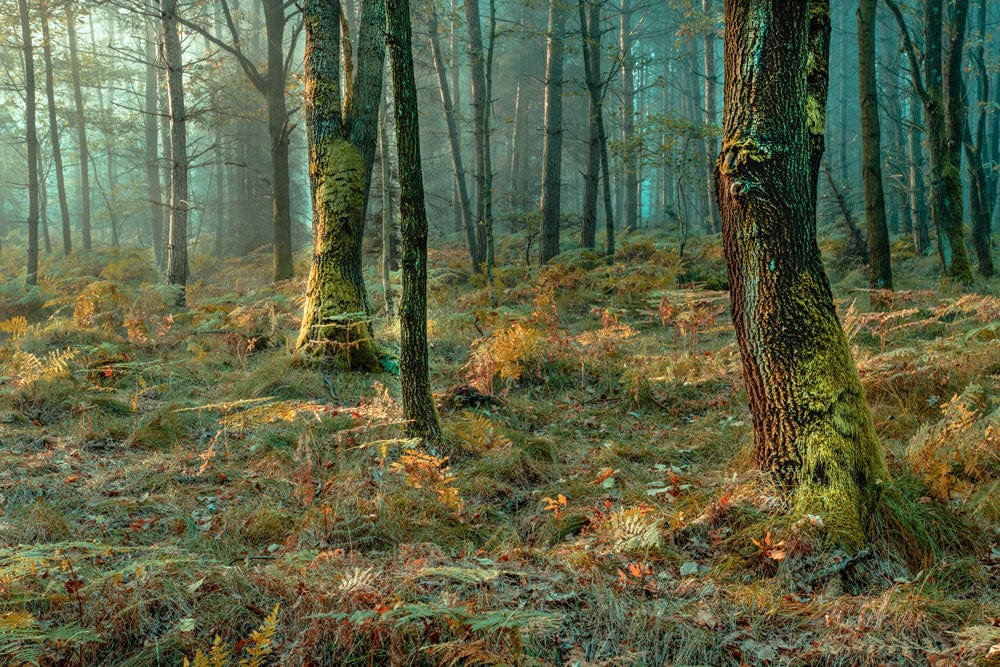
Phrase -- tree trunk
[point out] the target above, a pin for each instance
(880, 263)
(54, 134)
(917, 192)
(477, 71)
(81, 129)
(956, 118)
(150, 127)
(418, 403)
(812, 425)
(455, 145)
(383, 140)
(630, 168)
(711, 146)
(277, 126)
(980, 194)
(590, 30)
(31, 138)
(177, 261)
(342, 143)
(552, 146)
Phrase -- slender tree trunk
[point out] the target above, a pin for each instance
(879, 264)
(54, 134)
(630, 211)
(384, 156)
(177, 261)
(455, 145)
(81, 129)
(917, 193)
(711, 146)
(552, 147)
(150, 126)
(812, 425)
(277, 125)
(980, 194)
(590, 31)
(31, 138)
(477, 70)
(418, 403)
(845, 21)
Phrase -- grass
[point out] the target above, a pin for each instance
(173, 483)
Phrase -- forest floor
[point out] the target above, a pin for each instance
(171, 477)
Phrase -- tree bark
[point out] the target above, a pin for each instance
(54, 134)
(81, 130)
(812, 425)
(418, 402)
(477, 72)
(879, 260)
(31, 139)
(177, 261)
(552, 146)
(455, 146)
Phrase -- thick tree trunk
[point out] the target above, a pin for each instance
(81, 131)
(879, 261)
(553, 126)
(455, 146)
(342, 144)
(630, 167)
(418, 403)
(177, 261)
(54, 135)
(31, 139)
(151, 128)
(812, 426)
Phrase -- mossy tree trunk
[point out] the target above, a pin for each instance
(343, 133)
(879, 260)
(812, 425)
(418, 403)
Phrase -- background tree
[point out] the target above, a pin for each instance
(31, 139)
(552, 151)
(879, 263)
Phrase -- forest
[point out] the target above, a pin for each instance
(580, 333)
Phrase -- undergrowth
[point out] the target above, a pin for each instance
(175, 489)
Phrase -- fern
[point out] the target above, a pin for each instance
(259, 647)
